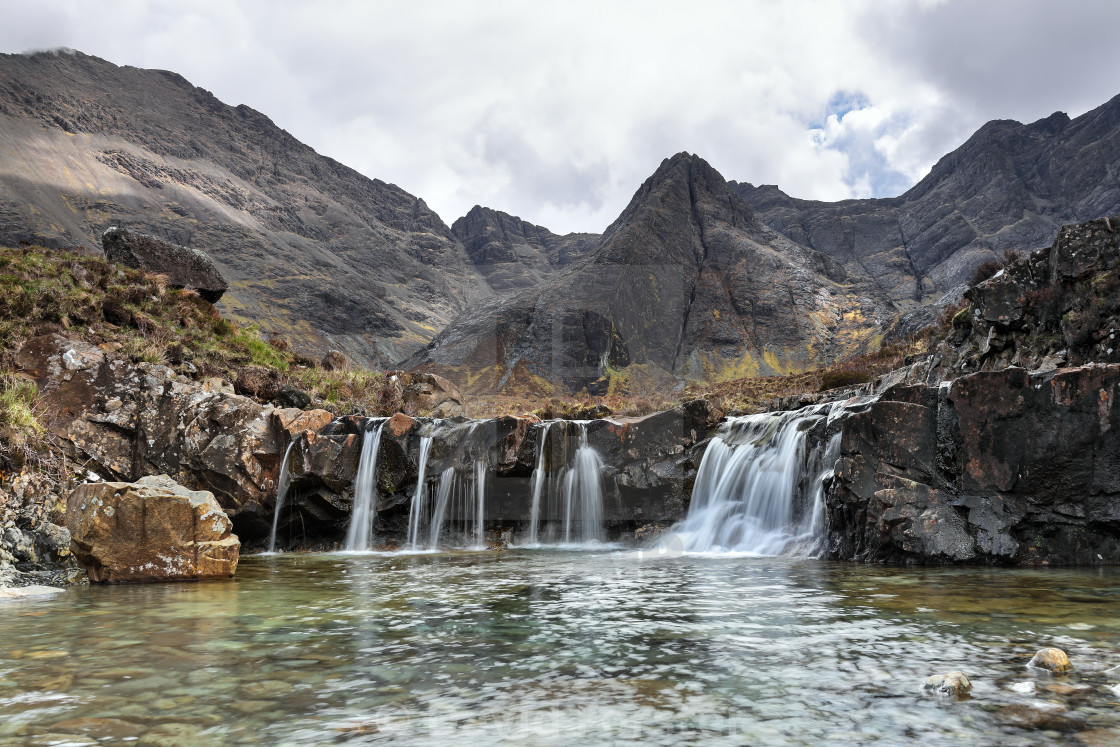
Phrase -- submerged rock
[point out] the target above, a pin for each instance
(1053, 659)
(955, 684)
(184, 267)
(150, 530)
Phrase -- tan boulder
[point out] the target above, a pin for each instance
(150, 530)
(1053, 659)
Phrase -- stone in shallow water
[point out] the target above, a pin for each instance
(150, 530)
(29, 592)
(1053, 659)
(955, 684)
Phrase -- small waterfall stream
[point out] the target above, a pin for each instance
(759, 489)
(359, 536)
(417, 510)
(283, 482)
(567, 503)
(481, 467)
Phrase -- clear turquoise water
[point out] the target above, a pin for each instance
(549, 647)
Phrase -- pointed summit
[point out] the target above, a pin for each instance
(685, 284)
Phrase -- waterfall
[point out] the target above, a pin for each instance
(443, 495)
(416, 512)
(281, 493)
(481, 465)
(583, 494)
(537, 482)
(574, 497)
(759, 489)
(360, 534)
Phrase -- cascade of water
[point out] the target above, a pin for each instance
(359, 536)
(537, 482)
(583, 494)
(759, 489)
(416, 512)
(281, 493)
(443, 495)
(481, 465)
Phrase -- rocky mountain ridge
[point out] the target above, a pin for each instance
(686, 284)
(1008, 187)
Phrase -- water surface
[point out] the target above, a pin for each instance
(549, 647)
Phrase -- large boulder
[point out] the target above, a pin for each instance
(184, 267)
(150, 530)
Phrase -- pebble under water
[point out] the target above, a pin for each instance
(552, 647)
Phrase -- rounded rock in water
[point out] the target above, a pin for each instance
(1053, 659)
(954, 684)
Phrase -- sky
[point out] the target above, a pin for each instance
(558, 111)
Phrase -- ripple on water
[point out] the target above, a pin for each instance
(558, 647)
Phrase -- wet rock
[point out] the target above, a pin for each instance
(1053, 659)
(955, 684)
(29, 592)
(150, 530)
(184, 267)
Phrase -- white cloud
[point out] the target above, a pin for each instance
(557, 112)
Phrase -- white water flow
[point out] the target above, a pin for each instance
(537, 483)
(481, 466)
(281, 493)
(443, 495)
(583, 494)
(416, 512)
(759, 489)
(359, 537)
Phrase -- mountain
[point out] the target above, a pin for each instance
(512, 254)
(686, 284)
(1010, 186)
(313, 250)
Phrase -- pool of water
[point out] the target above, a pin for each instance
(550, 647)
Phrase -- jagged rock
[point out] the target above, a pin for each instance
(184, 267)
(513, 254)
(150, 530)
(1053, 659)
(994, 467)
(136, 419)
(290, 396)
(429, 395)
(954, 684)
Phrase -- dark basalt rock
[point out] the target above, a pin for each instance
(994, 467)
(184, 267)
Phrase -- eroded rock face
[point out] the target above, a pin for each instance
(994, 467)
(184, 267)
(134, 420)
(150, 530)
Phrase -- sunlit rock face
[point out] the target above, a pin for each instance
(150, 530)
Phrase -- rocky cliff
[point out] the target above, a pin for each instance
(1009, 187)
(313, 250)
(686, 284)
(512, 254)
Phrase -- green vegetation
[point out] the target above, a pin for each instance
(82, 295)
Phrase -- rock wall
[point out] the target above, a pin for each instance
(994, 467)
